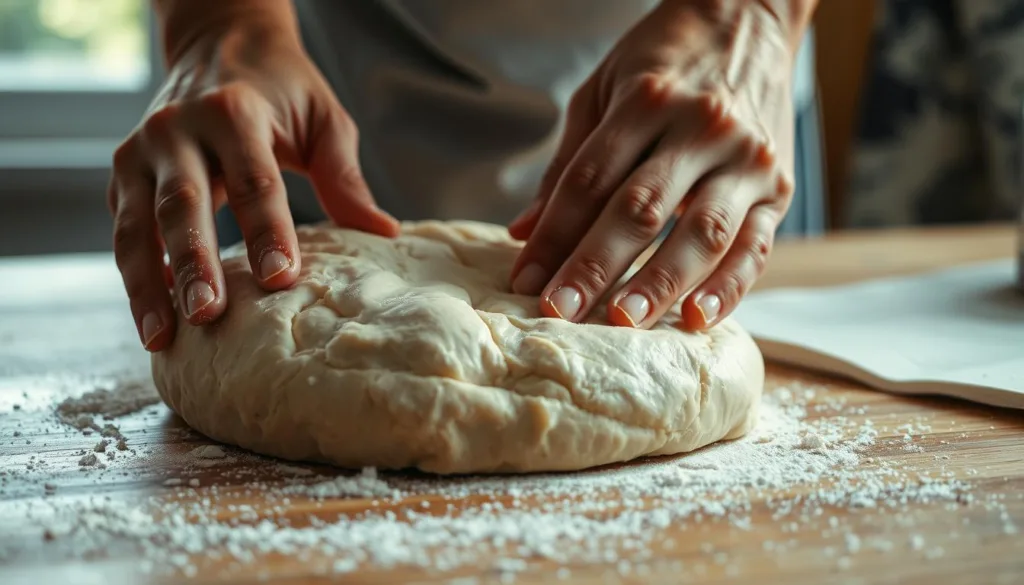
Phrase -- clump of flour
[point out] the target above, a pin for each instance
(208, 452)
(365, 485)
(124, 398)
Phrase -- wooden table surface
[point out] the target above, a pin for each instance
(57, 334)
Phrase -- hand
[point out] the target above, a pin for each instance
(238, 106)
(689, 115)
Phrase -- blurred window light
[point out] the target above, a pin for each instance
(74, 45)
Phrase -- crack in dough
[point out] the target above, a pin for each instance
(413, 352)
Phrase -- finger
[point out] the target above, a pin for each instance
(637, 213)
(184, 214)
(582, 193)
(722, 291)
(582, 117)
(596, 171)
(139, 254)
(337, 177)
(695, 245)
(112, 193)
(523, 225)
(238, 130)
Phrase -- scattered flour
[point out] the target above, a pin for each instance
(208, 452)
(88, 460)
(364, 485)
(124, 398)
(612, 515)
(208, 456)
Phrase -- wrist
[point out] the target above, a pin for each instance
(794, 16)
(183, 23)
(791, 16)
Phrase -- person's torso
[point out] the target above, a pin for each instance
(460, 103)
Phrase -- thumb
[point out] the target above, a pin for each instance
(338, 180)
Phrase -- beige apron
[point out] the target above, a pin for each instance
(460, 102)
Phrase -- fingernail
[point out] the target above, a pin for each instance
(566, 302)
(635, 306)
(530, 280)
(151, 327)
(709, 306)
(273, 263)
(198, 295)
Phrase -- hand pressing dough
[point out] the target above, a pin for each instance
(414, 352)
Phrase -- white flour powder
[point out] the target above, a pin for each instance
(124, 398)
(613, 515)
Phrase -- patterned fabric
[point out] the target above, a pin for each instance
(941, 114)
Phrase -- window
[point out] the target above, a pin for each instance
(84, 45)
(75, 78)
(74, 69)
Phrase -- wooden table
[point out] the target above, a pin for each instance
(55, 332)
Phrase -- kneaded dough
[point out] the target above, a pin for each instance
(414, 352)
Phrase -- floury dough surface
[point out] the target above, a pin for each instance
(414, 352)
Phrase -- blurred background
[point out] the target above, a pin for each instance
(76, 75)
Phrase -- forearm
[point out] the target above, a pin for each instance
(182, 21)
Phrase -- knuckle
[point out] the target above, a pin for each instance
(112, 197)
(764, 155)
(345, 125)
(128, 233)
(585, 181)
(718, 120)
(784, 187)
(709, 106)
(654, 90)
(711, 230)
(752, 147)
(253, 186)
(760, 250)
(662, 282)
(554, 172)
(177, 201)
(643, 209)
(592, 272)
(126, 154)
(350, 174)
(232, 101)
(161, 122)
(746, 147)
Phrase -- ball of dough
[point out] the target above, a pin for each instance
(414, 352)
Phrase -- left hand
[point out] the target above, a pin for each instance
(689, 115)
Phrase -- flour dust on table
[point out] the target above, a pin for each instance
(808, 463)
(414, 353)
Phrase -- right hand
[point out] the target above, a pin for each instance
(238, 106)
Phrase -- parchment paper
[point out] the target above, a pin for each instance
(959, 332)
